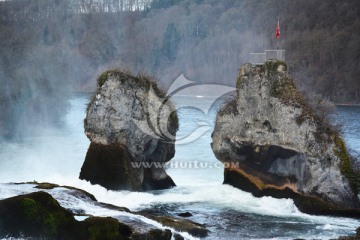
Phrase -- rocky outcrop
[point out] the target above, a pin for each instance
(39, 215)
(181, 225)
(275, 144)
(132, 128)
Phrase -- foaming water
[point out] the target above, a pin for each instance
(53, 152)
(57, 155)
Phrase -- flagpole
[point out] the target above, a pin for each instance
(277, 39)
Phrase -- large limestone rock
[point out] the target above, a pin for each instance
(132, 132)
(279, 147)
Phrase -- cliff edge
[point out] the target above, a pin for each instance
(276, 145)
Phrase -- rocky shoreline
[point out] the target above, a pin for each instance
(38, 214)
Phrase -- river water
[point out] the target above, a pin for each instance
(56, 155)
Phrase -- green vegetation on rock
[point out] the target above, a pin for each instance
(124, 75)
(297, 129)
(346, 166)
(38, 215)
(103, 228)
(31, 209)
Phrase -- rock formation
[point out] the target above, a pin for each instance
(276, 145)
(38, 215)
(132, 128)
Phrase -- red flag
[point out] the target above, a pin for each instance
(277, 33)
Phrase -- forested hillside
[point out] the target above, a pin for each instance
(51, 47)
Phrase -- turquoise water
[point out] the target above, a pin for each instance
(56, 155)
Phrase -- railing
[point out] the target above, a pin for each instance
(257, 58)
(261, 58)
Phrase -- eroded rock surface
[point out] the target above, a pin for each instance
(278, 144)
(132, 132)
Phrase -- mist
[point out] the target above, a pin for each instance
(51, 49)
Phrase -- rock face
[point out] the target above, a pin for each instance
(275, 144)
(132, 130)
(38, 215)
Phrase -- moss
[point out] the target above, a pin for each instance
(346, 165)
(104, 228)
(271, 67)
(31, 209)
(48, 214)
(240, 80)
(53, 222)
(284, 88)
(103, 77)
(38, 215)
(142, 80)
(46, 185)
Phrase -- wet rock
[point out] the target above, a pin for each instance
(178, 237)
(76, 191)
(39, 215)
(35, 215)
(132, 131)
(99, 228)
(354, 237)
(45, 185)
(185, 214)
(275, 144)
(181, 225)
(46, 213)
(155, 234)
